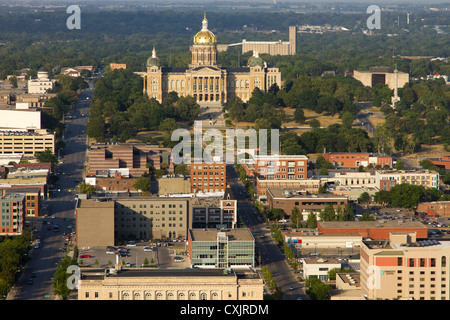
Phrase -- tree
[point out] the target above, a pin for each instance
(296, 216)
(299, 115)
(182, 169)
(364, 198)
(311, 221)
(399, 165)
(317, 290)
(143, 184)
(85, 188)
(168, 125)
(47, 156)
(328, 213)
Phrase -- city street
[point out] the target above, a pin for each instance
(270, 254)
(60, 207)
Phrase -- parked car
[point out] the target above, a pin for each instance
(131, 244)
(85, 256)
(148, 248)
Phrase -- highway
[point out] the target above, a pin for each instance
(35, 282)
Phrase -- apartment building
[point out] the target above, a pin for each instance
(405, 266)
(12, 214)
(277, 167)
(227, 248)
(208, 177)
(170, 284)
(385, 180)
(27, 143)
(32, 204)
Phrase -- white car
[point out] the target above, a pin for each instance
(148, 248)
(131, 244)
(110, 252)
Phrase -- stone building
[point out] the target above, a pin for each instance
(205, 79)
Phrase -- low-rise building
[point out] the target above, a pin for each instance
(287, 199)
(170, 284)
(310, 240)
(227, 248)
(356, 159)
(437, 208)
(174, 184)
(376, 230)
(319, 267)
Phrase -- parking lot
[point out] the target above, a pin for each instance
(136, 256)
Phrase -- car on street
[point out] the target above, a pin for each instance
(30, 281)
(85, 256)
(147, 248)
(110, 252)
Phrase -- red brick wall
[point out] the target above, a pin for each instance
(375, 233)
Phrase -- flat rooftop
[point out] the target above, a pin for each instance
(94, 203)
(390, 224)
(211, 234)
(91, 274)
(285, 193)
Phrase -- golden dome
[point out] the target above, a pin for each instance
(205, 36)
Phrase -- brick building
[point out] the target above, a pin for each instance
(132, 156)
(208, 177)
(287, 199)
(376, 230)
(354, 160)
(436, 208)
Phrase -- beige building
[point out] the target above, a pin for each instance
(382, 75)
(94, 223)
(170, 284)
(174, 184)
(205, 79)
(26, 142)
(131, 218)
(273, 48)
(405, 267)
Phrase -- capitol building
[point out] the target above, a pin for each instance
(206, 80)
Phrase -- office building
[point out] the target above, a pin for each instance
(223, 249)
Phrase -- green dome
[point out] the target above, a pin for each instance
(153, 61)
(255, 60)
